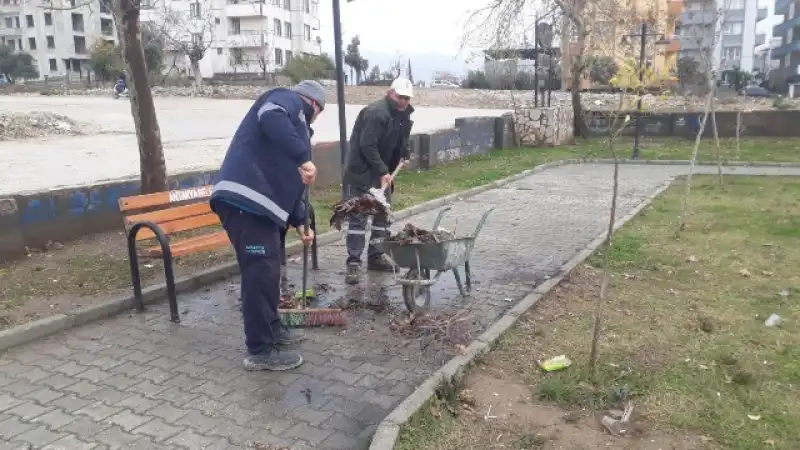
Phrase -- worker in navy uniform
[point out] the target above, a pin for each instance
(257, 194)
(378, 144)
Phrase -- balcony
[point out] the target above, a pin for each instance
(781, 28)
(786, 49)
(674, 8)
(761, 14)
(245, 9)
(246, 39)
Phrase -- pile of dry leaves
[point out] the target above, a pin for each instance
(411, 234)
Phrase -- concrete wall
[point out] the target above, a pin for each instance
(33, 219)
(754, 123)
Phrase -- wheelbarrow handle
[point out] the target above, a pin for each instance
(481, 222)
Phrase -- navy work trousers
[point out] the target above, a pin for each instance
(257, 242)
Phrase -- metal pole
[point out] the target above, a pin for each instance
(536, 62)
(638, 132)
(263, 50)
(549, 75)
(337, 39)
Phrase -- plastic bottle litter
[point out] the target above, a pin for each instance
(773, 321)
(560, 362)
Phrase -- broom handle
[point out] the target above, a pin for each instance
(307, 201)
(394, 174)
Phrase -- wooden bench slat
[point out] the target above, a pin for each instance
(175, 226)
(168, 215)
(190, 245)
(163, 198)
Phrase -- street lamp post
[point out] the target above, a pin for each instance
(337, 40)
(643, 34)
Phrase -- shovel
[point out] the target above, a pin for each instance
(380, 194)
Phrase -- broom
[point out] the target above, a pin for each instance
(302, 315)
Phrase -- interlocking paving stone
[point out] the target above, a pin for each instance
(137, 381)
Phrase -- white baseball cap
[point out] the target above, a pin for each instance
(402, 86)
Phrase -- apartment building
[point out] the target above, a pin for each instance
(58, 39)
(787, 74)
(240, 36)
(734, 21)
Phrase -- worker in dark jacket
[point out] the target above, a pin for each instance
(258, 193)
(378, 144)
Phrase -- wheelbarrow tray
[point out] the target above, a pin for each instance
(443, 256)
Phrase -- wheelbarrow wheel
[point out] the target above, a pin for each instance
(412, 292)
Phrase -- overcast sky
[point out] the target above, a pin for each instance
(405, 26)
(413, 27)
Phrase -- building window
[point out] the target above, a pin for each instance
(107, 27)
(287, 5)
(51, 42)
(238, 57)
(216, 20)
(29, 21)
(12, 44)
(194, 10)
(307, 6)
(77, 22)
(197, 38)
(80, 45)
(278, 57)
(219, 50)
(734, 4)
(277, 27)
(9, 22)
(48, 19)
(236, 26)
(145, 4)
(104, 9)
(53, 65)
(732, 54)
(287, 27)
(289, 56)
(32, 43)
(16, 22)
(732, 28)
(307, 32)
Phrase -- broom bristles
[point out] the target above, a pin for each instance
(312, 317)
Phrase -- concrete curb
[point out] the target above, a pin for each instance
(686, 162)
(389, 429)
(38, 329)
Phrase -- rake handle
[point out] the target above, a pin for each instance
(307, 202)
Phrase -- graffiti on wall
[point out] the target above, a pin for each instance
(94, 200)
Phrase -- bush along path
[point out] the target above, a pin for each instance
(699, 332)
(141, 382)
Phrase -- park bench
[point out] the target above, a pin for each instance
(160, 218)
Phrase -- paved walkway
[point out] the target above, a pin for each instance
(195, 144)
(138, 382)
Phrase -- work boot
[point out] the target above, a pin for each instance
(381, 263)
(288, 336)
(353, 274)
(274, 360)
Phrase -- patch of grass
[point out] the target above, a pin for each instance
(683, 328)
(750, 149)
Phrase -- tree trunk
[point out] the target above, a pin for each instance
(198, 77)
(148, 134)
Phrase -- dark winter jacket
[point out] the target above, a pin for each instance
(259, 173)
(379, 140)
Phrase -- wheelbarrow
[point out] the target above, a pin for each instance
(422, 258)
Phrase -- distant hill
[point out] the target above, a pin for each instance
(423, 66)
